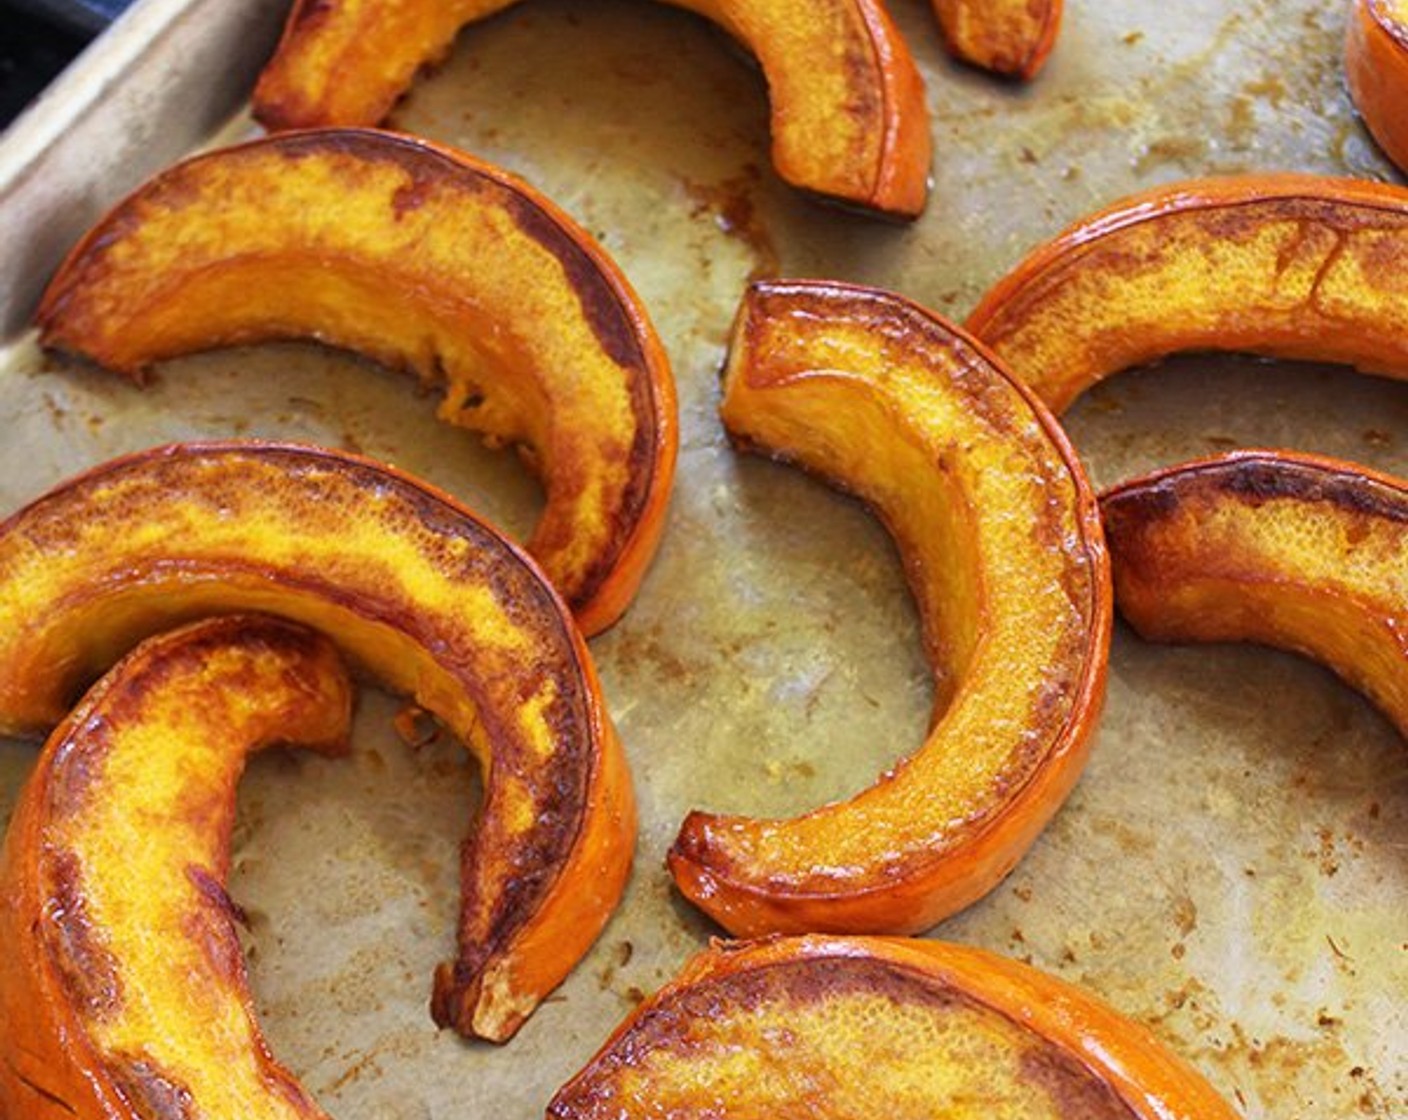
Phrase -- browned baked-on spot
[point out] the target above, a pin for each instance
(149, 1092)
(212, 926)
(1257, 481)
(86, 968)
(1070, 1086)
(601, 304)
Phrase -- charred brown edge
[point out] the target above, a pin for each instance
(148, 1091)
(1254, 478)
(83, 965)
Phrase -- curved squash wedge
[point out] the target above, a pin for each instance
(849, 119)
(122, 984)
(423, 259)
(1289, 266)
(999, 535)
(417, 591)
(1376, 68)
(1295, 551)
(852, 1028)
(1009, 37)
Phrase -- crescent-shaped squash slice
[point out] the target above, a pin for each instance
(1290, 266)
(1376, 67)
(1295, 551)
(849, 118)
(122, 983)
(424, 259)
(1010, 37)
(1000, 538)
(852, 1028)
(427, 598)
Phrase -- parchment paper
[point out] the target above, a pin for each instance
(1231, 869)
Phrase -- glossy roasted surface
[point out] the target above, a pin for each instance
(848, 105)
(1302, 553)
(1009, 37)
(1376, 70)
(1285, 266)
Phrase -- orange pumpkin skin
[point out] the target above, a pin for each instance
(1376, 68)
(1009, 37)
(121, 842)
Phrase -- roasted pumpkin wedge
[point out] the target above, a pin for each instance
(420, 593)
(852, 1028)
(1009, 37)
(424, 259)
(1376, 68)
(122, 984)
(849, 118)
(1295, 551)
(999, 534)
(1290, 266)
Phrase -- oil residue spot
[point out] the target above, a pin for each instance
(651, 654)
(1182, 150)
(732, 207)
(1185, 915)
(1269, 88)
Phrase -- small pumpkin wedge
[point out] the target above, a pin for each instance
(424, 259)
(430, 600)
(851, 1028)
(1009, 37)
(849, 118)
(1289, 266)
(999, 535)
(1376, 68)
(1295, 551)
(122, 985)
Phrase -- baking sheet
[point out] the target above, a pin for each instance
(1231, 868)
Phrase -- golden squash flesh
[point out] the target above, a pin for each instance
(1287, 266)
(1295, 551)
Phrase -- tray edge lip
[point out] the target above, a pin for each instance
(93, 129)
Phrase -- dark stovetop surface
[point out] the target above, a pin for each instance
(38, 38)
